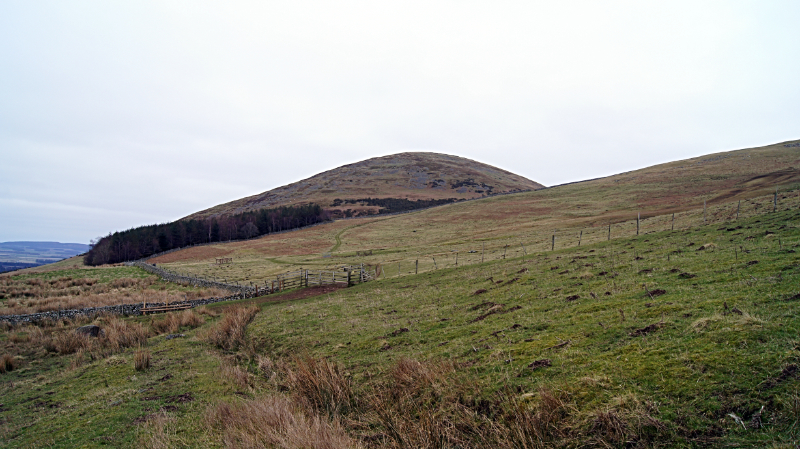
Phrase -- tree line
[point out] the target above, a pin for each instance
(144, 241)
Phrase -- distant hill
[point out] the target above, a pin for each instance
(392, 183)
(18, 255)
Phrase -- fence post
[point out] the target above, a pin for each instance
(504, 251)
(704, 211)
(738, 206)
(673, 221)
(775, 201)
(553, 244)
(416, 266)
(348, 278)
(609, 232)
(434, 263)
(483, 248)
(580, 237)
(456, 258)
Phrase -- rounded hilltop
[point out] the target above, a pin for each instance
(386, 184)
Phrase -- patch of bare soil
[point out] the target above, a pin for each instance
(789, 372)
(646, 330)
(536, 364)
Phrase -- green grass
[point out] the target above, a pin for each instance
(702, 362)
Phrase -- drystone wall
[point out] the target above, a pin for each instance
(121, 309)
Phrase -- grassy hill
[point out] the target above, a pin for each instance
(683, 338)
(403, 176)
(684, 335)
(513, 224)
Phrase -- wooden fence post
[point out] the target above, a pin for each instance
(416, 266)
(738, 206)
(775, 201)
(704, 211)
(456, 258)
(434, 263)
(553, 244)
(638, 216)
(580, 237)
(504, 251)
(483, 248)
(609, 232)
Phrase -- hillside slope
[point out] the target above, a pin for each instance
(578, 211)
(403, 176)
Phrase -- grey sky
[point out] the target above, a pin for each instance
(118, 114)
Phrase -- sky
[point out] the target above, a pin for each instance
(120, 114)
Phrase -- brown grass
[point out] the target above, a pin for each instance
(275, 421)
(229, 333)
(320, 385)
(158, 431)
(424, 405)
(7, 363)
(173, 321)
(141, 359)
(39, 295)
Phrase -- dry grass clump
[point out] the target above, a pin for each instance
(208, 312)
(425, 405)
(275, 421)
(141, 359)
(158, 431)
(117, 334)
(320, 385)
(229, 333)
(69, 342)
(7, 363)
(627, 419)
(121, 334)
(173, 321)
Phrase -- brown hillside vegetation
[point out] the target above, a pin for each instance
(411, 176)
(527, 218)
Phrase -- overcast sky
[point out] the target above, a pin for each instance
(117, 114)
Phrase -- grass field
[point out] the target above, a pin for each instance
(523, 222)
(650, 341)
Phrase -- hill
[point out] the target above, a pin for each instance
(503, 224)
(642, 341)
(397, 180)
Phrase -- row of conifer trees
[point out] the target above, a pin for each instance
(145, 241)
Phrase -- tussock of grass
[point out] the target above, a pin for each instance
(320, 385)
(158, 432)
(7, 363)
(275, 421)
(229, 333)
(141, 359)
(173, 321)
(237, 375)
